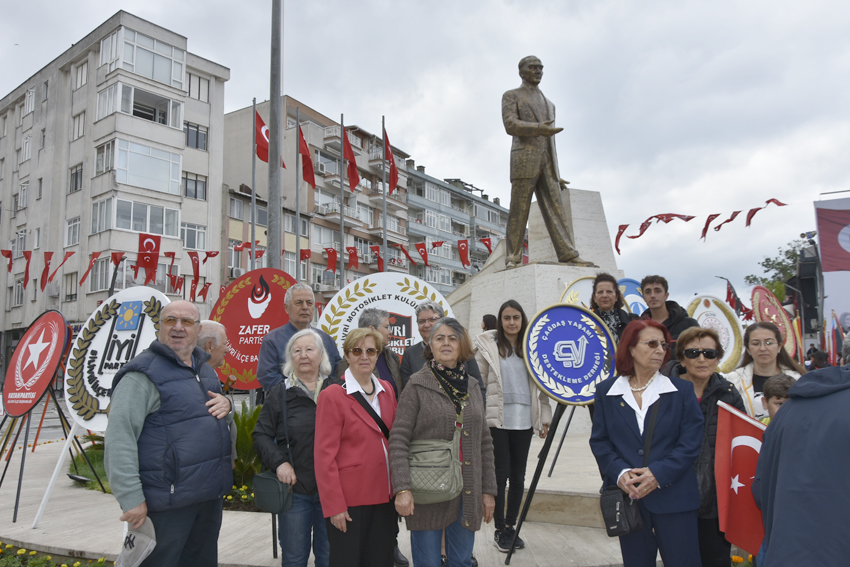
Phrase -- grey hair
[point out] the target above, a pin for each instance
(210, 330)
(288, 369)
(430, 306)
(372, 318)
(449, 322)
(845, 350)
(288, 297)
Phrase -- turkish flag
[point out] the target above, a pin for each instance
(116, 258)
(437, 244)
(178, 284)
(404, 251)
(736, 455)
(388, 154)
(834, 237)
(643, 226)
(8, 254)
(463, 250)
(221, 290)
(732, 217)
(353, 260)
(65, 259)
(46, 271)
(667, 217)
(193, 291)
(331, 260)
(420, 247)
(752, 212)
(705, 228)
(94, 257)
(306, 160)
(376, 250)
(348, 152)
(488, 243)
(196, 268)
(148, 256)
(620, 232)
(263, 141)
(28, 255)
(305, 254)
(208, 255)
(319, 307)
(260, 254)
(204, 290)
(243, 245)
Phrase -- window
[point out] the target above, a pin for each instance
(235, 209)
(3, 125)
(19, 243)
(153, 59)
(431, 219)
(109, 50)
(445, 223)
(432, 192)
(262, 216)
(36, 239)
(18, 293)
(194, 236)
(141, 217)
(326, 163)
(71, 287)
(195, 186)
(43, 137)
(103, 157)
(99, 276)
(233, 256)
(445, 198)
(196, 136)
(147, 167)
(364, 213)
(40, 187)
(289, 224)
(76, 178)
(78, 128)
(23, 196)
(101, 215)
(29, 101)
(199, 88)
(26, 148)
(81, 72)
(139, 103)
(72, 231)
(106, 101)
(325, 237)
(126, 278)
(263, 261)
(44, 91)
(2, 167)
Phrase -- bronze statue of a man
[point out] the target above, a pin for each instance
(529, 117)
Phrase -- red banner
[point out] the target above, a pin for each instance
(620, 232)
(376, 250)
(331, 260)
(353, 260)
(65, 259)
(348, 152)
(388, 154)
(437, 244)
(94, 257)
(45, 273)
(405, 252)
(7, 254)
(196, 269)
(263, 140)
(488, 243)
(463, 252)
(708, 222)
(305, 254)
(834, 238)
(202, 295)
(209, 254)
(730, 219)
(306, 160)
(116, 258)
(28, 255)
(423, 252)
(148, 256)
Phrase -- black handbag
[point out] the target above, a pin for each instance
(621, 513)
(270, 494)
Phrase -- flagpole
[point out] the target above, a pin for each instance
(341, 200)
(297, 194)
(253, 258)
(273, 242)
(384, 179)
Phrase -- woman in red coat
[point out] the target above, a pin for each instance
(351, 461)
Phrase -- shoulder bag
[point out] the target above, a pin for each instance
(436, 474)
(270, 494)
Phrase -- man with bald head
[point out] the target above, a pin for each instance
(167, 446)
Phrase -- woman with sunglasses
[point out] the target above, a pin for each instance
(353, 419)
(765, 357)
(665, 488)
(698, 351)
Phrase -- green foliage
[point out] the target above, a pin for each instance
(247, 462)
(778, 269)
(95, 455)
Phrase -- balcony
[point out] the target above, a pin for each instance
(393, 230)
(334, 141)
(396, 201)
(332, 209)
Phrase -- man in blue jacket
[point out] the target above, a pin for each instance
(167, 446)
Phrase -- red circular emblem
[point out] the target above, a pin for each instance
(34, 363)
(250, 308)
(766, 308)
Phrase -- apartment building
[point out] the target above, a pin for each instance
(120, 134)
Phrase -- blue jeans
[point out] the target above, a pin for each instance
(294, 530)
(425, 545)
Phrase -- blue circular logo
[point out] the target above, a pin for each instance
(568, 351)
(632, 295)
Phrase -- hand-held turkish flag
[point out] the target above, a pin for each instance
(488, 243)
(306, 160)
(305, 254)
(348, 152)
(202, 295)
(209, 254)
(94, 257)
(736, 455)
(28, 255)
(45, 273)
(65, 259)
(423, 251)
(148, 256)
(388, 154)
(7, 254)
(353, 260)
(376, 250)
(263, 140)
(463, 251)
(331, 260)
(833, 237)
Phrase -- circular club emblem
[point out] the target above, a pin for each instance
(34, 363)
(579, 292)
(398, 294)
(766, 308)
(122, 327)
(249, 309)
(568, 351)
(711, 313)
(632, 295)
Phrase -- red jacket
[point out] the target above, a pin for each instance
(351, 465)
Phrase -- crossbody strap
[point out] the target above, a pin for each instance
(648, 443)
(285, 426)
(371, 411)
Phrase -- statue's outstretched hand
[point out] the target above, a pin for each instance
(546, 128)
(563, 184)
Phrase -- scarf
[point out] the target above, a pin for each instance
(611, 320)
(454, 381)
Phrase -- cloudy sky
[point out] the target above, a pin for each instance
(667, 106)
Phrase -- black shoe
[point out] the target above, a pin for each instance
(474, 561)
(399, 560)
(443, 559)
(502, 541)
(519, 542)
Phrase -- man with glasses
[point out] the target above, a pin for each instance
(167, 447)
(668, 313)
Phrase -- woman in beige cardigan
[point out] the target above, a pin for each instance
(515, 408)
(431, 404)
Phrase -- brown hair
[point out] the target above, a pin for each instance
(355, 336)
(783, 359)
(466, 351)
(692, 334)
(603, 277)
(505, 346)
(654, 279)
(778, 386)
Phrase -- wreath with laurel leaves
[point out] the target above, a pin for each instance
(343, 302)
(82, 401)
(219, 311)
(414, 291)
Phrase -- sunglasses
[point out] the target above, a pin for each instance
(371, 351)
(653, 344)
(171, 321)
(709, 353)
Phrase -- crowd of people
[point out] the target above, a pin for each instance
(352, 435)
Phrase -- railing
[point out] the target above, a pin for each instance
(333, 132)
(397, 195)
(333, 208)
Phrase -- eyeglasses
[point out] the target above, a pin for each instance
(654, 344)
(432, 320)
(370, 352)
(709, 353)
(186, 321)
(757, 344)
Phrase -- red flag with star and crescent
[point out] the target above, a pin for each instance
(463, 250)
(92, 260)
(65, 259)
(45, 273)
(423, 252)
(388, 155)
(348, 152)
(353, 260)
(736, 455)
(376, 250)
(308, 173)
(148, 256)
(305, 254)
(28, 256)
(331, 259)
(196, 267)
(263, 140)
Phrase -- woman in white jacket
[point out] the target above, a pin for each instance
(764, 357)
(515, 408)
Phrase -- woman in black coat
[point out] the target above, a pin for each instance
(607, 302)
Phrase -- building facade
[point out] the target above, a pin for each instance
(119, 135)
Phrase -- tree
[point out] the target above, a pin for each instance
(779, 269)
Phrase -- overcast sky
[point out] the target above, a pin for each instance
(668, 106)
